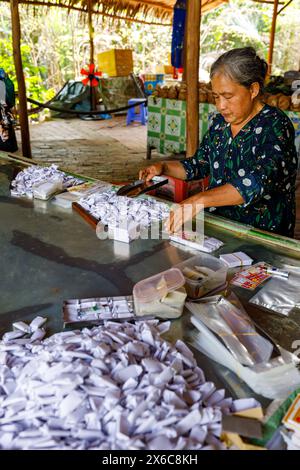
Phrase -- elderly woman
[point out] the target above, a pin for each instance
(248, 152)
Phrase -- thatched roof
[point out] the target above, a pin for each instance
(144, 11)
(157, 11)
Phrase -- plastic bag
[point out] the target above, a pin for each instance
(280, 295)
(232, 324)
(273, 379)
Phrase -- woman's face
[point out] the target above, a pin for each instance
(234, 101)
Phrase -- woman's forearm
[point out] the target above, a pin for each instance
(174, 168)
(225, 195)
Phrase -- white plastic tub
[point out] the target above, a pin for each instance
(162, 295)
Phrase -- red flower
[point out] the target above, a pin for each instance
(91, 79)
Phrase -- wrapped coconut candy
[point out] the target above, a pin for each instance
(117, 386)
(112, 209)
(35, 176)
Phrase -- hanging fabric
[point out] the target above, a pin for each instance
(178, 33)
(8, 140)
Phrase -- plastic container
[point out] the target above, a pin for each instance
(210, 282)
(162, 295)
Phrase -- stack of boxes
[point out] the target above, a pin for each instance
(116, 62)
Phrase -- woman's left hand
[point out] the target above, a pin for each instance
(182, 213)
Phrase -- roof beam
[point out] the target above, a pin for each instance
(270, 2)
(286, 5)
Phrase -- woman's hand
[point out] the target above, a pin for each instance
(183, 213)
(153, 170)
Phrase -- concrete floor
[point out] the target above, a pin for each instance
(108, 150)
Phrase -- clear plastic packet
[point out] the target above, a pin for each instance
(280, 295)
(235, 328)
(273, 379)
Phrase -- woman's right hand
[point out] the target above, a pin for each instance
(153, 170)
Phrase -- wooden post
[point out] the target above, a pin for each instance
(23, 115)
(92, 53)
(184, 61)
(192, 75)
(272, 38)
(91, 31)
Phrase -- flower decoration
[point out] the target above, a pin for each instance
(91, 76)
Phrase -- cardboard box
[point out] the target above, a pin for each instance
(165, 69)
(168, 69)
(151, 80)
(116, 62)
(159, 69)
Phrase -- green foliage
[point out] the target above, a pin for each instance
(34, 79)
(243, 22)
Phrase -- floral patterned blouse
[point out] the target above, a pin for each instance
(260, 162)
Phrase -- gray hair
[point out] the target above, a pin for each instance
(242, 66)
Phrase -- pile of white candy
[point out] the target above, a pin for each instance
(113, 210)
(34, 175)
(118, 386)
